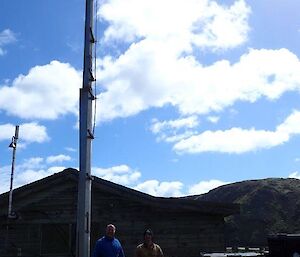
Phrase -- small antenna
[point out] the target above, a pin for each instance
(13, 145)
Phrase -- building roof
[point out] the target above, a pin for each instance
(57, 182)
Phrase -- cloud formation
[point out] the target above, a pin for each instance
(205, 186)
(189, 122)
(29, 170)
(71, 149)
(174, 130)
(238, 140)
(47, 92)
(36, 168)
(28, 133)
(156, 188)
(58, 158)
(201, 23)
(121, 174)
(213, 119)
(159, 66)
(234, 140)
(150, 74)
(295, 174)
(6, 37)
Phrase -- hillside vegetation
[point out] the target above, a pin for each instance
(268, 206)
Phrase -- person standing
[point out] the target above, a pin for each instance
(148, 248)
(108, 245)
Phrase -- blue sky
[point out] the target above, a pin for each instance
(192, 94)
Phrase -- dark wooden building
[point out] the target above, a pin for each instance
(46, 219)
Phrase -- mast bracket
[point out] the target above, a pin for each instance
(92, 40)
(92, 78)
(89, 177)
(90, 134)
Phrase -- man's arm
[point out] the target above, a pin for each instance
(161, 254)
(97, 249)
(121, 252)
(136, 252)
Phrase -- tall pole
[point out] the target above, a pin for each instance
(13, 145)
(85, 140)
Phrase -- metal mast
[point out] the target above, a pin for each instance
(13, 145)
(86, 136)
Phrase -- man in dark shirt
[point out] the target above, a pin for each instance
(108, 245)
(148, 248)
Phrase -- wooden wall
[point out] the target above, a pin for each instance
(179, 233)
(46, 225)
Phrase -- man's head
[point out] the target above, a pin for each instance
(148, 236)
(110, 230)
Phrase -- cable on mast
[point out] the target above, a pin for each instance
(95, 65)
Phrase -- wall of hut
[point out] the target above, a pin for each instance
(179, 233)
(46, 224)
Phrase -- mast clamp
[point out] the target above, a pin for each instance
(90, 134)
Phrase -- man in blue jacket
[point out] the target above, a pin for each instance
(108, 245)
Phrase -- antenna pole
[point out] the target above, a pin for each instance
(13, 145)
(86, 136)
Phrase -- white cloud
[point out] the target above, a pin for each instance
(29, 176)
(121, 174)
(196, 22)
(29, 170)
(153, 72)
(189, 122)
(7, 131)
(5, 178)
(223, 27)
(32, 163)
(156, 188)
(295, 174)
(46, 92)
(149, 74)
(28, 133)
(159, 67)
(58, 158)
(205, 186)
(213, 119)
(33, 132)
(177, 137)
(6, 37)
(71, 149)
(36, 168)
(237, 140)
(291, 124)
(174, 130)
(126, 176)
(56, 169)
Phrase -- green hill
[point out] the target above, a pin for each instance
(268, 206)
